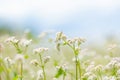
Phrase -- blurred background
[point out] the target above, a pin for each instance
(94, 20)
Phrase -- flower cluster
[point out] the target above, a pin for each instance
(40, 50)
(25, 42)
(12, 40)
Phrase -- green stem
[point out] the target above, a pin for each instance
(76, 60)
(63, 77)
(21, 71)
(76, 67)
(5, 70)
(100, 75)
(43, 67)
(80, 72)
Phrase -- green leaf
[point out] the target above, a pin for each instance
(59, 73)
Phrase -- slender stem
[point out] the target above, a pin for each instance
(43, 67)
(17, 47)
(76, 68)
(63, 77)
(80, 72)
(6, 71)
(100, 76)
(21, 71)
(44, 72)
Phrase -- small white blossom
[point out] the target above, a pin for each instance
(9, 60)
(87, 74)
(98, 68)
(64, 37)
(25, 42)
(46, 59)
(64, 67)
(40, 50)
(34, 62)
(12, 39)
(90, 68)
(19, 58)
(58, 36)
(40, 75)
(118, 72)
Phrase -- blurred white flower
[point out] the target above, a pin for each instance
(40, 75)
(25, 42)
(40, 50)
(12, 39)
(46, 59)
(34, 62)
(9, 60)
(58, 36)
(98, 68)
(118, 72)
(19, 57)
(87, 74)
(90, 68)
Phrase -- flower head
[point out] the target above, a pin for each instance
(19, 57)
(12, 39)
(25, 42)
(40, 50)
(34, 62)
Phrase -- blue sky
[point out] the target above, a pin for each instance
(87, 18)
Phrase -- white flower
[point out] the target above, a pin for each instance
(12, 39)
(9, 60)
(46, 59)
(25, 42)
(99, 68)
(58, 36)
(87, 74)
(64, 37)
(40, 50)
(63, 67)
(40, 75)
(118, 72)
(70, 41)
(115, 62)
(34, 62)
(90, 68)
(19, 57)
